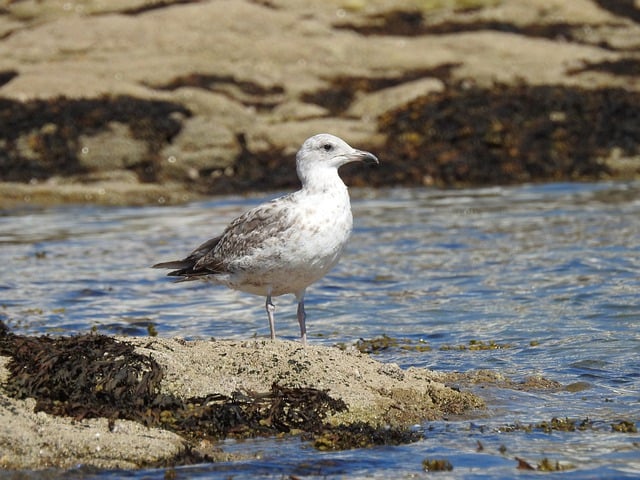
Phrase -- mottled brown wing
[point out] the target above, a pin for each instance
(247, 233)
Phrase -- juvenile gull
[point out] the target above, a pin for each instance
(284, 245)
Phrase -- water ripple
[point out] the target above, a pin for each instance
(551, 272)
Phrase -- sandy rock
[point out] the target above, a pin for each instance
(618, 161)
(374, 392)
(297, 110)
(214, 105)
(118, 188)
(111, 149)
(279, 136)
(30, 440)
(201, 147)
(370, 106)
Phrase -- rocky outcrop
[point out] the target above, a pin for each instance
(215, 96)
(127, 403)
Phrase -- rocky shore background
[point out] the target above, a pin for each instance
(145, 101)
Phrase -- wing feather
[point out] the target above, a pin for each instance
(243, 236)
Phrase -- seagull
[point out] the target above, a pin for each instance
(284, 245)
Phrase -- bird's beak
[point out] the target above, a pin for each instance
(362, 156)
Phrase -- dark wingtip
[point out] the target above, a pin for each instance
(172, 264)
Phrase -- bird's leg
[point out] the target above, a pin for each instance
(270, 309)
(302, 316)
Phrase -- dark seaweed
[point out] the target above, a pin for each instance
(91, 375)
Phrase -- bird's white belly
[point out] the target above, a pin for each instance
(303, 255)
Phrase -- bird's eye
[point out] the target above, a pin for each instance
(327, 147)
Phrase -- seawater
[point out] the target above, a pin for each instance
(549, 272)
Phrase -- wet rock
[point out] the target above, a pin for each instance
(202, 391)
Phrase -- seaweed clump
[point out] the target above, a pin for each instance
(92, 375)
(88, 376)
(544, 465)
(363, 435)
(83, 376)
(507, 134)
(477, 345)
(436, 465)
(41, 138)
(624, 426)
(384, 343)
(554, 425)
(245, 415)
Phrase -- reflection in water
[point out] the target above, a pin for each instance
(552, 271)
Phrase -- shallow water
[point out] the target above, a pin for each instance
(551, 272)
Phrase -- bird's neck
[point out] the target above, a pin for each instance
(323, 181)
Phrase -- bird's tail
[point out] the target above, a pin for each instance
(179, 264)
(182, 268)
(186, 267)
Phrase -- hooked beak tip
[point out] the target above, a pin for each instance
(366, 157)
